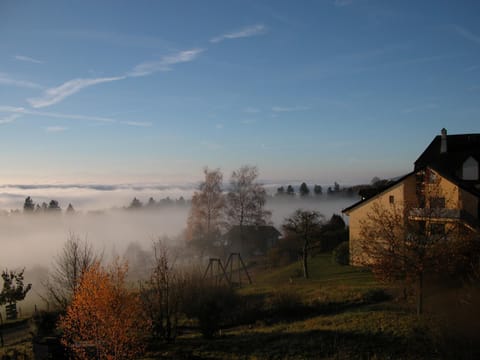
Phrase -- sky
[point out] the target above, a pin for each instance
(153, 91)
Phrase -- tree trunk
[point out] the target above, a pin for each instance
(420, 295)
(241, 238)
(1, 331)
(305, 259)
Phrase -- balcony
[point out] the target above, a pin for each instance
(436, 213)
(443, 214)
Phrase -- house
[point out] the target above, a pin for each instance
(251, 239)
(445, 178)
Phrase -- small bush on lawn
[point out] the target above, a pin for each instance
(211, 304)
(286, 303)
(341, 254)
(376, 295)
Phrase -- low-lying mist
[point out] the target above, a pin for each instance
(33, 240)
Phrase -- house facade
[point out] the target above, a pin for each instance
(443, 190)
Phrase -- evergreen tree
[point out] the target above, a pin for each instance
(336, 187)
(304, 190)
(290, 190)
(29, 205)
(54, 206)
(151, 203)
(70, 209)
(135, 204)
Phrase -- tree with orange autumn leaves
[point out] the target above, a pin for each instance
(105, 318)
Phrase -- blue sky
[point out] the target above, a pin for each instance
(153, 91)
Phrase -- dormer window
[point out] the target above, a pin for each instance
(470, 169)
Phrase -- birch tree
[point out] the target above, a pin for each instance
(246, 200)
(206, 212)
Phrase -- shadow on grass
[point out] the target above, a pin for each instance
(313, 344)
(289, 308)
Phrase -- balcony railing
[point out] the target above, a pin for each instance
(443, 214)
(436, 213)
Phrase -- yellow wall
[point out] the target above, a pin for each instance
(400, 192)
(405, 195)
(444, 188)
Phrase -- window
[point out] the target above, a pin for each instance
(470, 169)
(437, 202)
(391, 199)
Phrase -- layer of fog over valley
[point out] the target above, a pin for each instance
(104, 216)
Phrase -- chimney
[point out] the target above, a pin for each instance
(443, 141)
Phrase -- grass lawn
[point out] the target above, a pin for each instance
(345, 318)
(328, 281)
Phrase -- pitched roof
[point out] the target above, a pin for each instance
(363, 201)
(459, 148)
(448, 164)
(252, 231)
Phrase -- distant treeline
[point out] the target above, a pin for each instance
(162, 203)
(53, 206)
(317, 190)
(303, 191)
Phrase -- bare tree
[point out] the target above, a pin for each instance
(206, 212)
(246, 199)
(305, 225)
(404, 242)
(162, 293)
(68, 266)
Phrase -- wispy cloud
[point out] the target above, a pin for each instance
(251, 110)
(248, 31)
(247, 121)
(23, 111)
(54, 95)
(9, 119)
(28, 59)
(165, 63)
(342, 2)
(219, 126)
(6, 79)
(467, 34)
(289, 109)
(55, 129)
(137, 123)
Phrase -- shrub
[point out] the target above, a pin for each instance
(213, 305)
(341, 254)
(104, 316)
(44, 323)
(332, 238)
(286, 303)
(285, 299)
(375, 296)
